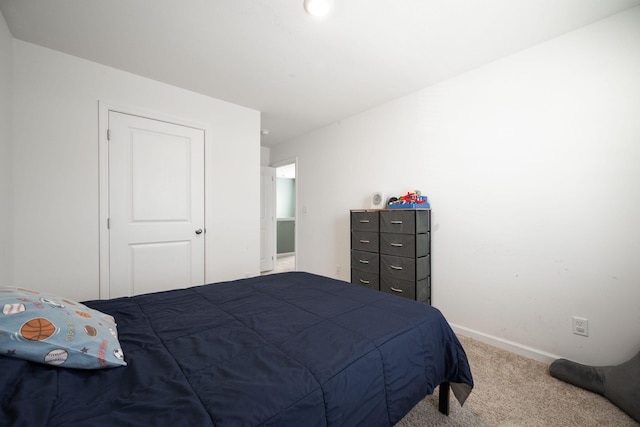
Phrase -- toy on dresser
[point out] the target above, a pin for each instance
(411, 200)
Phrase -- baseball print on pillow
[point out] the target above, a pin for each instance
(48, 329)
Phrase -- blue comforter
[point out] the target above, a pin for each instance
(288, 349)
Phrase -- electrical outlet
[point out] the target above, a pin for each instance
(338, 270)
(580, 326)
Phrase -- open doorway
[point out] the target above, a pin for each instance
(286, 217)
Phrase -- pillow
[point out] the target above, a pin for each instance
(48, 329)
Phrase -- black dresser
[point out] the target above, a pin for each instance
(390, 251)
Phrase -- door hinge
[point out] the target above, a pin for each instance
(108, 223)
(108, 134)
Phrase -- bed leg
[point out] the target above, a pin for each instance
(443, 398)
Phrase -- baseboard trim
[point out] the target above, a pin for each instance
(513, 347)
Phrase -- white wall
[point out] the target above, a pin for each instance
(56, 169)
(265, 154)
(6, 262)
(531, 165)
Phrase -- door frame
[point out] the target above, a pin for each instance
(267, 203)
(285, 162)
(104, 107)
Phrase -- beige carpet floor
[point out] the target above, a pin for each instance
(512, 390)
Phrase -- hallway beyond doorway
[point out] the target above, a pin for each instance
(284, 263)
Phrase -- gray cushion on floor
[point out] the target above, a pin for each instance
(620, 384)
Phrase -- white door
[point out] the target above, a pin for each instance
(267, 219)
(156, 205)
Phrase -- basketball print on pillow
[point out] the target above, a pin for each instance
(38, 329)
(48, 329)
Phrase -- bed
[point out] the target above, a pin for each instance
(286, 349)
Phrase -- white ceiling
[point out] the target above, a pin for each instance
(301, 73)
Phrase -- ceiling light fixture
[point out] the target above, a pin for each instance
(318, 8)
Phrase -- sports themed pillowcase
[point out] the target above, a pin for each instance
(49, 329)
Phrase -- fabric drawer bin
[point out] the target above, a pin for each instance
(368, 280)
(404, 268)
(405, 222)
(364, 241)
(419, 291)
(423, 290)
(365, 261)
(364, 221)
(398, 267)
(405, 245)
(402, 288)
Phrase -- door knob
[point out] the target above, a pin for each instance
(199, 231)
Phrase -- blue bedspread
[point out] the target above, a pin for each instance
(288, 349)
